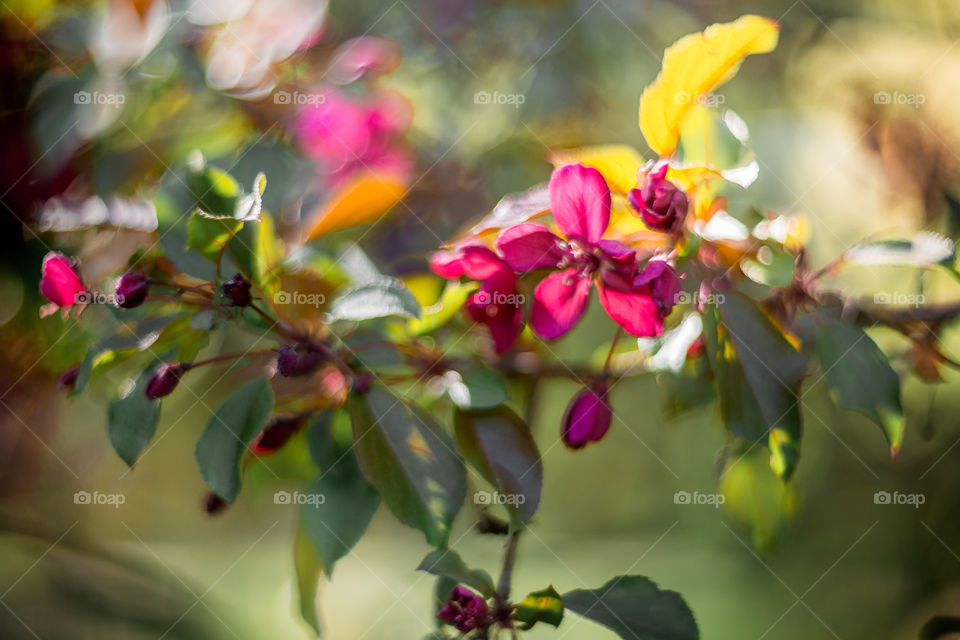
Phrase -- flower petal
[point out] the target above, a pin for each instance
(558, 302)
(587, 418)
(498, 306)
(580, 201)
(59, 283)
(475, 261)
(631, 307)
(528, 246)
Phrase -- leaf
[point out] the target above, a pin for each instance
(445, 309)
(860, 378)
(515, 208)
(475, 386)
(541, 606)
(617, 162)
(338, 520)
(447, 563)
(132, 419)
(234, 424)
(635, 609)
(376, 299)
(130, 339)
(694, 66)
(309, 568)
(759, 373)
(364, 199)
(208, 236)
(410, 460)
(926, 249)
(499, 445)
(757, 497)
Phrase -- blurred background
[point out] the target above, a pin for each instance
(855, 125)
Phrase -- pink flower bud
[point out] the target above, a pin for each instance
(278, 431)
(465, 610)
(165, 380)
(237, 290)
(132, 289)
(587, 417)
(59, 282)
(69, 378)
(661, 204)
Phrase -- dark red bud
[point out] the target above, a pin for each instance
(299, 360)
(214, 504)
(132, 289)
(661, 204)
(587, 417)
(69, 378)
(465, 610)
(165, 380)
(363, 382)
(237, 290)
(278, 431)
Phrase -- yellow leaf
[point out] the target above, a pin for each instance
(693, 67)
(617, 162)
(364, 199)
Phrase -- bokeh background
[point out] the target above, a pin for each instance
(820, 561)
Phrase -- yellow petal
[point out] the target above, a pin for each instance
(364, 199)
(617, 162)
(693, 67)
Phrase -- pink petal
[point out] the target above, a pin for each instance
(475, 261)
(587, 417)
(59, 283)
(528, 246)
(631, 307)
(558, 302)
(580, 201)
(498, 306)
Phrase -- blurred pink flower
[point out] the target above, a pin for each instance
(367, 55)
(59, 283)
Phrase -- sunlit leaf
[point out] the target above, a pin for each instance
(445, 309)
(309, 567)
(363, 200)
(475, 386)
(617, 162)
(754, 495)
(515, 208)
(540, 606)
(923, 250)
(378, 298)
(446, 562)
(692, 68)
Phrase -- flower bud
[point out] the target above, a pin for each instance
(465, 610)
(213, 504)
(59, 282)
(69, 378)
(299, 360)
(278, 431)
(132, 290)
(237, 290)
(165, 380)
(587, 417)
(661, 204)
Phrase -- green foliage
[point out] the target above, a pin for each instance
(132, 419)
(447, 564)
(379, 298)
(545, 605)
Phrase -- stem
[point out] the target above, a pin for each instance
(277, 325)
(503, 587)
(613, 346)
(228, 356)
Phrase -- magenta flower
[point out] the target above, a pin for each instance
(587, 418)
(132, 289)
(661, 204)
(496, 303)
(59, 283)
(465, 610)
(580, 202)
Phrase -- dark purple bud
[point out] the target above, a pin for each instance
(165, 380)
(663, 283)
(465, 610)
(237, 290)
(661, 204)
(363, 382)
(214, 504)
(587, 417)
(278, 431)
(69, 378)
(299, 360)
(132, 290)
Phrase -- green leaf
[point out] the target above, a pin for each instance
(444, 310)
(132, 419)
(541, 606)
(208, 236)
(375, 299)
(499, 445)
(410, 460)
(446, 563)
(129, 340)
(309, 567)
(337, 521)
(759, 373)
(635, 609)
(757, 497)
(475, 386)
(234, 424)
(860, 378)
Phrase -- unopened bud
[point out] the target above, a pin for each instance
(132, 289)
(237, 290)
(165, 380)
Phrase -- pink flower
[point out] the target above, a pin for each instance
(496, 303)
(587, 418)
(59, 282)
(661, 204)
(580, 202)
(465, 610)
